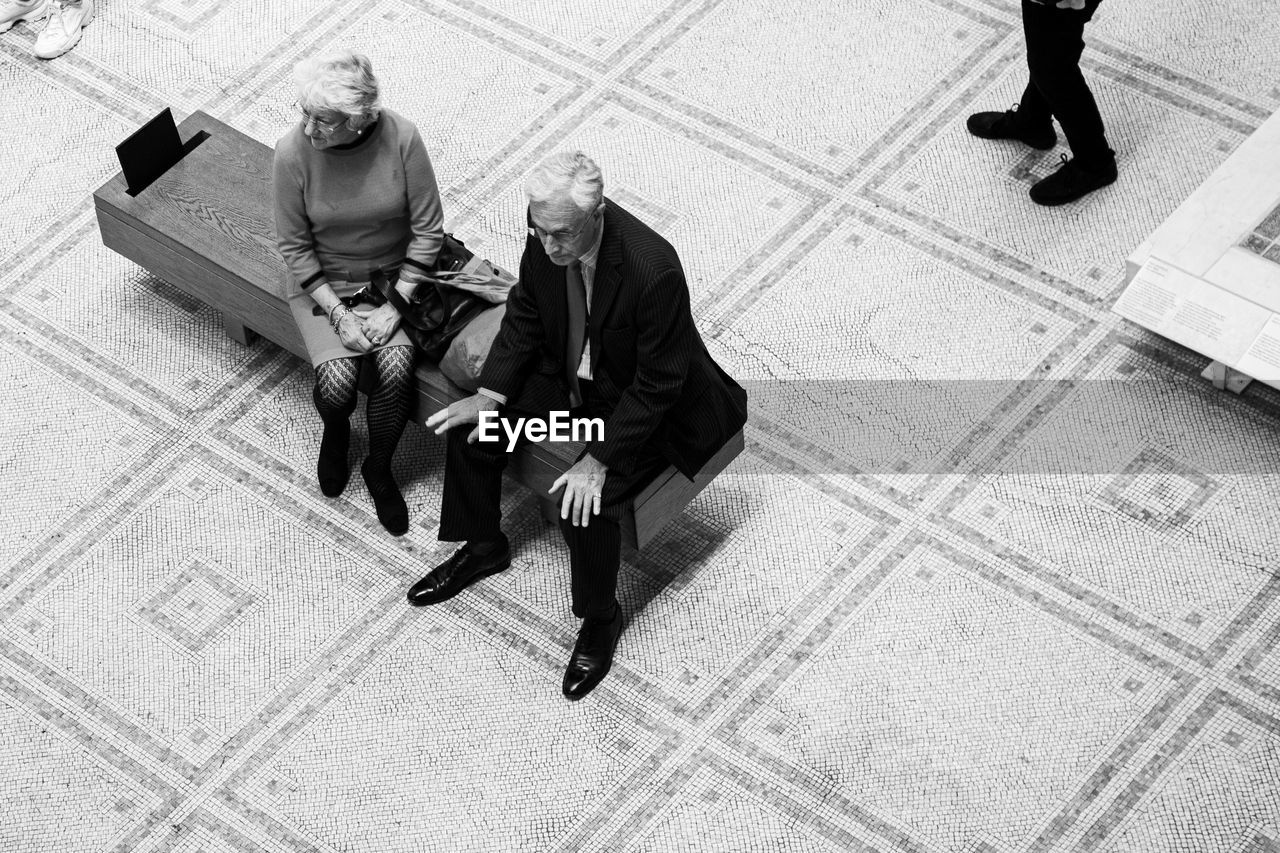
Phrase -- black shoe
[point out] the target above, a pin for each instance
(332, 469)
(592, 654)
(458, 572)
(387, 500)
(1072, 181)
(1006, 125)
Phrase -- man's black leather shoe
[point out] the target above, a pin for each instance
(457, 573)
(1006, 125)
(592, 654)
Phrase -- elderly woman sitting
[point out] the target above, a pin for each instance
(355, 192)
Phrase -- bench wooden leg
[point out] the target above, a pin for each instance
(237, 331)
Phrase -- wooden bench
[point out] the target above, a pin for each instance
(206, 227)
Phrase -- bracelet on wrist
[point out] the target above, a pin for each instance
(335, 317)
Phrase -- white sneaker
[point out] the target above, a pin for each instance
(62, 28)
(13, 11)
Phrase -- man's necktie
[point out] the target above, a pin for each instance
(576, 339)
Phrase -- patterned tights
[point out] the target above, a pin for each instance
(388, 409)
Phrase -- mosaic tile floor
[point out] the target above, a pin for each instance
(1265, 239)
(997, 572)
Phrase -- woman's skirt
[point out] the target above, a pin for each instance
(323, 343)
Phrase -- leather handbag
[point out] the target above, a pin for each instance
(463, 269)
(464, 361)
(459, 288)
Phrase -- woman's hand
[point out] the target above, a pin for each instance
(351, 332)
(379, 324)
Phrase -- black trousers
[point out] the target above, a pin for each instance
(471, 508)
(1057, 88)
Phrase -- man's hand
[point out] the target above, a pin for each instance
(351, 333)
(583, 484)
(465, 411)
(379, 324)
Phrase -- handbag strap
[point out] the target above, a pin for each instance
(458, 278)
(379, 280)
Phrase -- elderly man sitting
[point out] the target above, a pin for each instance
(599, 325)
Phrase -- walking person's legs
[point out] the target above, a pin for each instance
(1055, 43)
(1056, 88)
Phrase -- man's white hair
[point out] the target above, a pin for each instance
(566, 175)
(341, 82)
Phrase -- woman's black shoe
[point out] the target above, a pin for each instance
(387, 500)
(332, 469)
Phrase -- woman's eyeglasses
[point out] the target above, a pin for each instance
(325, 127)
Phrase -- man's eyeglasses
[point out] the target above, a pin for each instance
(560, 236)
(325, 127)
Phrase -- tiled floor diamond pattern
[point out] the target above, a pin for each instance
(195, 606)
(996, 573)
(906, 689)
(1158, 490)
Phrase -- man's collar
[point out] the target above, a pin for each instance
(589, 257)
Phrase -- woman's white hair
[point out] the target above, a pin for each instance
(570, 174)
(340, 82)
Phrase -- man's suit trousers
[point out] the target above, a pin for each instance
(471, 508)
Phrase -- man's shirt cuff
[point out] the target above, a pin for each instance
(500, 399)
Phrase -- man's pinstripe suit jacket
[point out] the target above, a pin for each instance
(648, 361)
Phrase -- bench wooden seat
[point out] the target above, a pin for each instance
(206, 227)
